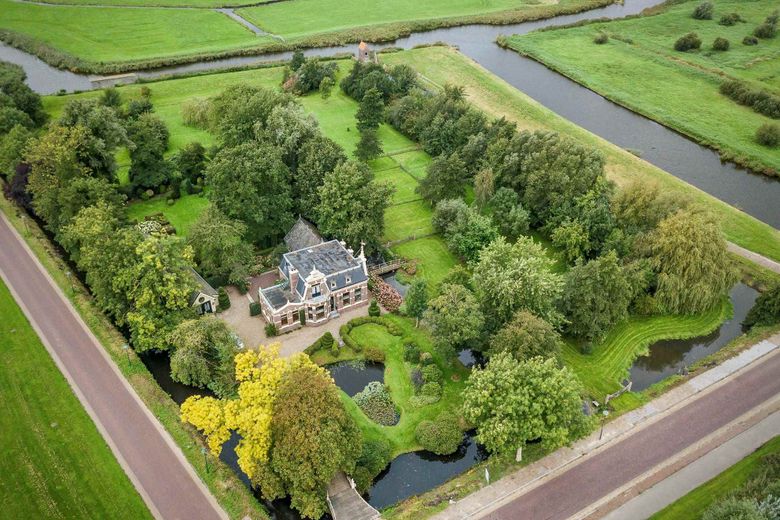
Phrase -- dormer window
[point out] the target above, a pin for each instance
(333, 284)
(315, 291)
(349, 280)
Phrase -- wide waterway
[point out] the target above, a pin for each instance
(755, 194)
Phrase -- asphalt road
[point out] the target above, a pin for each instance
(154, 463)
(589, 481)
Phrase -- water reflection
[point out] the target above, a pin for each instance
(353, 376)
(669, 357)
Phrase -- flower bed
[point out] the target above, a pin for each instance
(385, 294)
(376, 403)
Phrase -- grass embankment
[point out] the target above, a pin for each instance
(161, 3)
(697, 501)
(497, 98)
(54, 462)
(229, 491)
(401, 436)
(407, 220)
(116, 39)
(639, 69)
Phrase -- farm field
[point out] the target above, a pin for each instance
(697, 501)
(639, 69)
(497, 98)
(54, 462)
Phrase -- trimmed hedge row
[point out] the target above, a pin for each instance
(345, 329)
(761, 101)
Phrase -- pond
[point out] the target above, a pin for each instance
(669, 357)
(393, 282)
(353, 376)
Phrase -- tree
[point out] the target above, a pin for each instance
(454, 318)
(218, 244)
(111, 98)
(469, 234)
(371, 111)
(416, 299)
(446, 179)
(512, 403)
(203, 355)
(352, 206)
(236, 112)
(573, 239)
(688, 252)
(105, 133)
(11, 117)
(13, 85)
(441, 436)
(326, 87)
(766, 310)
(190, 161)
(12, 147)
(447, 213)
(369, 146)
(508, 214)
(80, 193)
(596, 297)
(484, 186)
(148, 166)
(288, 128)
(16, 187)
(526, 336)
(249, 183)
(512, 277)
(640, 206)
(317, 157)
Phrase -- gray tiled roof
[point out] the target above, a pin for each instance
(331, 259)
(279, 295)
(203, 287)
(303, 234)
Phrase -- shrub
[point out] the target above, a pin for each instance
(703, 11)
(418, 401)
(416, 377)
(373, 309)
(170, 202)
(441, 436)
(765, 31)
(195, 112)
(426, 358)
(688, 42)
(223, 298)
(386, 295)
(431, 389)
(749, 40)
(601, 38)
(334, 350)
(376, 403)
(373, 459)
(327, 340)
(761, 101)
(730, 19)
(302, 316)
(254, 309)
(587, 348)
(411, 352)
(720, 44)
(375, 355)
(432, 374)
(768, 134)
(271, 330)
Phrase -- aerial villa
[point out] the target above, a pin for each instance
(318, 282)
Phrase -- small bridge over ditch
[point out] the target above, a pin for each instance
(386, 267)
(345, 502)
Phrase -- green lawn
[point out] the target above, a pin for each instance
(163, 3)
(434, 258)
(127, 34)
(677, 89)
(403, 183)
(497, 98)
(412, 219)
(182, 214)
(603, 369)
(693, 504)
(401, 436)
(53, 461)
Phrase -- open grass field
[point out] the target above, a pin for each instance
(692, 505)
(639, 69)
(54, 462)
(162, 3)
(113, 34)
(603, 369)
(497, 98)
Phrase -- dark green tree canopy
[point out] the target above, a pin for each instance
(219, 246)
(446, 179)
(526, 336)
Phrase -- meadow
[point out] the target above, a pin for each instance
(441, 65)
(639, 69)
(54, 462)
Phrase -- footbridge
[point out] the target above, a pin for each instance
(346, 503)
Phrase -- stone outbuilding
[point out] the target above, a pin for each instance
(204, 299)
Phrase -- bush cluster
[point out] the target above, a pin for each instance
(344, 330)
(601, 38)
(223, 299)
(768, 134)
(432, 374)
(305, 75)
(688, 42)
(720, 44)
(749, 40)
(441, 436)
(411, 351)
(703, 11)
(254, 309)
(730, 19)
(376, 455)
(431, 390)
(765, 31)
(321, 344)
(271, 330)
(375, 355)
(416, 376)
(761, 101)
(376, 403)
(386, 294)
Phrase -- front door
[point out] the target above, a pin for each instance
(332, 304)
(205, 308)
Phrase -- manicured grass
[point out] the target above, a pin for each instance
(54, 462)
(434, 258)
(678, 89)
(416, 163)
(403, 183)
(164, 3)
(182, 214)
(412, 219)
(603, 369)
(401, 436)
(697, 501)
(126, 34)
(497, 98)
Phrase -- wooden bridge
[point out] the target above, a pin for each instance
(345, 502)
(386, 267)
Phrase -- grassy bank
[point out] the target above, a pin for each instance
(54, 462)
(639, 69)
(497, 98)
(163, 3)
(697, 501)
(115, 39)
(229, 491)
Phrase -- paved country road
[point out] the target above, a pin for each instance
(596, 477)
(153, 462)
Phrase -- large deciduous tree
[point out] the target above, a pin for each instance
(105, 132)
(512, 277)
(219, 246)
(416, 299)
(446, 179)
(237, 112)
(317, 157)
(766, 310)
(149, 141)
(526, 336)
(352, 206)
(512, 403)
(371, 111)
(454, 318)
(250, 183)
(688, 252)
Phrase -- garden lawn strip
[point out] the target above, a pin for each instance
(408, 221)
(182, 214)
(497, 98)
(404, 184)
(434, 259)
(54, 462)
